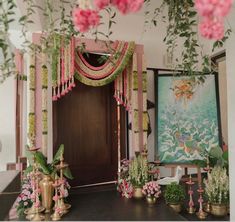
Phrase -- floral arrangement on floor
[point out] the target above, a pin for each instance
(125, 188)
(123, 184)
(152, 188)
(24, 200)
(217, 186)
(138, 171)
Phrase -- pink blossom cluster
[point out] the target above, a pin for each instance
(85, 19)
(213, 13)
(152, 188)
(125, 188)
(25, 198)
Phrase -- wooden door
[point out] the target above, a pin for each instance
(85, 121)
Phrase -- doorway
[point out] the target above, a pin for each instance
(85, 121)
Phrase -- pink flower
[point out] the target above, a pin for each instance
(93, 18)
(84, 19)
(80, 19)
(135, 5)
(56, 197)
(25, 203)
(210, 8)
(101, 4)
(212, 29)
(122, 5)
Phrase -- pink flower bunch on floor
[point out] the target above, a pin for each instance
(152, 188)
(213, 13)
(125, 188)
(85, 19)
(24, 200)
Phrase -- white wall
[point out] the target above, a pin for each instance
(7, 122)
(230, 65)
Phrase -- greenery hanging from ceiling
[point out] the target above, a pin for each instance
(180, 16)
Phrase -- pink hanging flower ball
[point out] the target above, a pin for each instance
(126, 6)
(84, 19)
(209, 8)
(122, 5)
(223, 8)
(80, 19)
(93, 18)
(212, 29)
(101, 4)
(136, 5)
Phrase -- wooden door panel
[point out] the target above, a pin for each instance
(85, 121)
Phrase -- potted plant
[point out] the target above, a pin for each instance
(174, 195)
(151, 190)
(138, 174)
(217, 190)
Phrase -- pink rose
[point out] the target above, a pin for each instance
(25, 203)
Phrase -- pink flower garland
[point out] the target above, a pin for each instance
(213, 13)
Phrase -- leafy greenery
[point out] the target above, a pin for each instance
(7, 12)
(174, 193)
(216, 157)
(50, 168)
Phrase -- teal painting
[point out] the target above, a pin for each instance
(187, 123)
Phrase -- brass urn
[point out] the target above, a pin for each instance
(47, 191)
(151, 199)
(177, 207)
(219, 210)
(137, 193)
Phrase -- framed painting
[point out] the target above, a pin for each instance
(187, 117)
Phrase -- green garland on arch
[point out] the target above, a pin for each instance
(126, 59)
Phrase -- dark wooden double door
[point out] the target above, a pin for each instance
(85, 121)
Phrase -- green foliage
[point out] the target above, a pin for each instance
(217, 157)
(7, 12)
(174, 193)
(138, 171)
(50, 168)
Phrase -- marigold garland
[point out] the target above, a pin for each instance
(44, 71)
(31, 116)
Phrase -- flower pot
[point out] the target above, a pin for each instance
(151, 199)
(137, 193)
(47, 191)
(219, 210)
(177, 207)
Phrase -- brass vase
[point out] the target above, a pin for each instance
(47, 191)
(151, 199)
(137, 193)
(177, 207)
(219, 210)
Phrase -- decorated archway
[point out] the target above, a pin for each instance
(126, 67)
